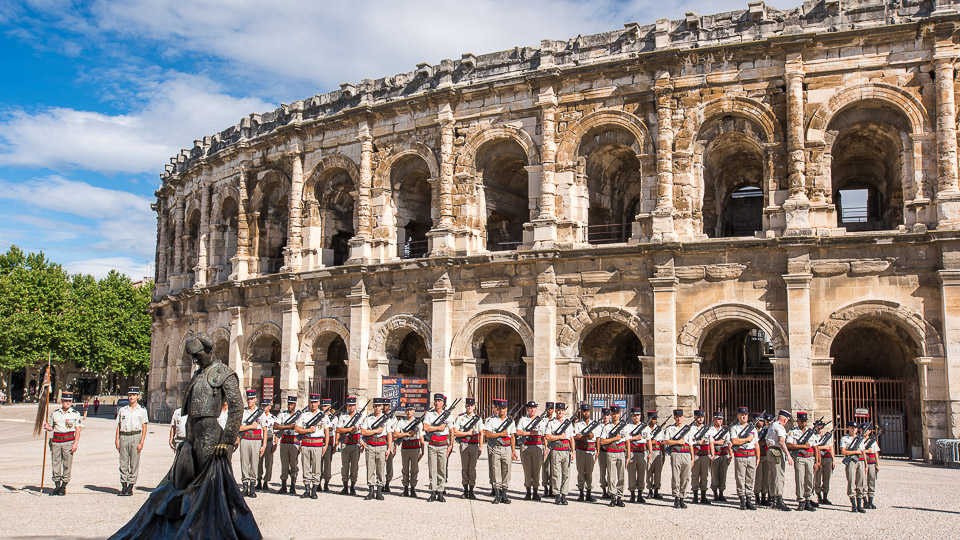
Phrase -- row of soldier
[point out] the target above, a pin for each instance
(626, 452)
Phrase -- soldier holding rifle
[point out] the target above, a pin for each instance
(678, 440)
(721, 460)
(265, 463)
(656, 457)
(602, 455)
(326, 461)
(436, 427)
(466, 430)
(586, 451)
(378, 439)
(531, 450)
(559, 436)
(314, 431)
(613, 441)
(499, 433)
(252, 443)
(821, 477)
(546, 480)
(702, 458)
(761, 488)
(746, 457)
(410, 433)
(871, 454)
(851, 448)
(348, 433)
(778, 458)
(805, 458)
(637, 450)
(289, 445)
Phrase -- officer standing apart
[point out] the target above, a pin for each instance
(656, 457)
(702, 458)
(614, 446)
(821, 477)
(559, 436)
(637, 449)
(871, 456)
(252, 444)
(378, 441)
(326, 461)
(313, 441)
(66, 424)
(411, 449)
(499, 432)
(470, 441)
(721, 459)
(746, 456)
(805, 459)
(437, 436)
(531, 451)
(350, 453)
(265, 463)
(853, 460)
(289, 445)
(178, 429)
(778, 458)
(678, 446)
(586, 452)
(131, 431)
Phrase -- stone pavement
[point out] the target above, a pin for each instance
(914, 499)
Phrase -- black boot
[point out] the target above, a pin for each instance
(253, 492)
(259, 485)
(55, 491)
(860, 506)
(657, 495)
(802, 505)
(313, 491)
(703, 497)
(353, 489)
(743, 505)
(605, 494)
(527, 496)
(63, 490)
(496, 496)
(613, 502)
(306, 492)
(493, 492)
(326, 485)
(504, 498)
(633, 496)
(123, 490)
(683, 503)
(386, 487)
(466, 492)
(853, 505)
(809, 506)
(293, 485)
(590, 496)
(813, 504)
(825, 500)
(536, 495)
(749, 502)
(557, 500)
(620, 503)
(640, 498)
(676, 503)
(696, 499)
(870, 504)
(650, 493)
(379, 494)
(580, 498)
(370, 494)
(345, 490)
(433, 496)
(413, 492)
(716, 496)
(778, 504)
(563, 499)
(720, 497)
(283, 487)
(765, 501)
(440, 497)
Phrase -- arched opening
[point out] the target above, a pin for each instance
(330, 358)
(873, 369)
(224, 241)
(406, 356)
(334, 194)
(221, 351)
(191, 245)
(867, 167)
(18, 385)
(499, 351)
(264, 363)
(501, 165)
(272, 228)
(610, 354)
(736, 368)
(409, 179)
(613, 183)
(733, 197)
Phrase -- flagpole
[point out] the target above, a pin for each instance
(46, 403)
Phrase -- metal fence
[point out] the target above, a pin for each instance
(887, 406)
(728, 392)
(484, 388)
(946, 451)
(334, 388)
(605, 390)
(613, 233)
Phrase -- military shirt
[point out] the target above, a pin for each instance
(431, 417)
(793, 437)
(774, 433)
(65, 421)
(132, 419)
(586, 444)
(735, 433)
(306, 417)
(492, 424)
(605, 433)
(367, 423)
(179, 423)
(400, 424)
(671, 432)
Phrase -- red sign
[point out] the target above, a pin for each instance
(414, 392)
(266, 391)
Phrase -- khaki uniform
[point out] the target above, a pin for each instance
(679, 460)
(776, 461)
(388, 475)
(718, 469)
(637, 463)
(803, 464)
(410, 451)
(744, 459)
(762, 485)
(873, 454)
(131, 421)
(560, 454)
(500, 452)
(546, 479)
(856, 477)
(179, 423)
(469, 449)
(312, 446)
(586, 456)
(822, 476)
(289, 450)
(376, 451)
(437, 443)
(700, 466)
(265, 463)
(64, 424)
(250, 442)
(602, 460)
(326, 460)
(350, 453)
(615, 454)
(655, 469)
(531, 453)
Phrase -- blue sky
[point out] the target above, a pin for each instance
(97, 95)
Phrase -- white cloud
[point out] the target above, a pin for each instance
(176, 110)
(100, 267)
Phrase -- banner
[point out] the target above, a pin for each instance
(409, 391)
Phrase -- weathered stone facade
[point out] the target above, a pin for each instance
(646, 200)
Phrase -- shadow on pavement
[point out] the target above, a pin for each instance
(102, 489)
(926, 509)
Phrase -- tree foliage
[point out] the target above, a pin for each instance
(100, 325)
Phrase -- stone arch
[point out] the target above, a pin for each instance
(265, 329)
(316, 328)
(381, 177)
(750, 109)
(573, 333)
(900, 99)
(218, 335)
(468, 154)
(223, 194)
(265, 180)
(924, 334)
(333, 161)
(385, 335)
(691, 336)
(570, 142)
(462, 346)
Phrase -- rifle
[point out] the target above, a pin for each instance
(588, 429)
(472, 423)
(533, 425)
(682, 433)
(812, 430)
(722, 433)
(636, 431)
(315, 420)
(656, 431)
(856, 442)
(256, 414)
(382, 420)
(562, 427)
(446, 413)
(825, 439)
(412, 426)
(293, 420)
(617, 429)
(873, 438)
(357, 416)
(702, 432)
(505, 424)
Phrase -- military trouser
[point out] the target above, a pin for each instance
(249, 454)
(718, 472)
(856, 480)
(311, 464)
(289, 455)
(546, 477)
(388, 468)
(585, 462)
(376, 465)
(326, 465)
(602, 460)
(129, 458)
(349, 463)
(560, 470)
(871, 470)
(637, 471)
(821, 477)
(62, 460)
(265, 465)
(437, 466)
(700, 473)
(531, 457)
(744, 472)
(469, 454)
(776, 469)
(616, 462)
(500, 461)
(655, 470)
(762, 485)
(680, 467)
(409, 466)
(803, 474)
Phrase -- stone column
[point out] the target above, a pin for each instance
(441, 237)
(793, 376)
(544, 373)
(545, 225)
(358, 371)
(289, 382)
(664, 343)
(240, 260)
(797, 206)
(237, 338)
(163, 240)
(203, 242)
(293, 253)
(361, 246)
(178, 245)
(662, 215)
(948, 192)
(950, 291)
(441, 336)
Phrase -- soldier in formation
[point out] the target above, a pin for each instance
(437, 434)
(289, 444)
(851, 448)
(638, 451)
(805, 459)
(656, 457)
(499, 432)
(559, 439)
(585, 443)
(613, 442)
(251, 443)
(131, 432)
(409, 432)
(531, 451)
(348, 433)
(467, 432)
(378, 439)
(746, 457)
(702, 458)
(313, 427)
(778, 458)
(65, 423)
(722, 457)
(678, 441)
(265, 463)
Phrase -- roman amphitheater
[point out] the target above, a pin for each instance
(758, 207)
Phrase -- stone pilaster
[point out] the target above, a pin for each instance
(441, 327)
(163, 241)
(293, 253)
(240, 261)
(661, 227)
(361, 379)
(237, 339)
(950, 294)
(442, 236)
(797, 206)
(289, 382)
(545, 338)
(948, 191)
(203, 242)
(361, 245)
(545, 225)
(793, 382)
(664, 380)
(178, 247)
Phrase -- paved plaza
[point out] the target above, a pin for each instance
(914, 499)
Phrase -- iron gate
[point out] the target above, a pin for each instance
(334, 388)
(484, 388)
(604, 390)
(887, 405)
(728, 392)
